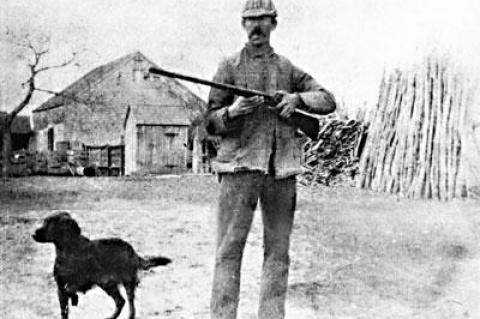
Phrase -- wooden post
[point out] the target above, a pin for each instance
(386, 131)
(6, 151)
(448, 108)
(405, 130)
(417, 135)
(196, 153)
(420, 179)
(462, 186)
(442, 190)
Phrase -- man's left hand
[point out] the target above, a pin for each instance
(289, 103)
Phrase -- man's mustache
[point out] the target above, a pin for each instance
(256, 31)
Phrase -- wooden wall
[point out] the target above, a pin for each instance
(130, 142)
(161, 149)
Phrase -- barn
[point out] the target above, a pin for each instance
(120, 104)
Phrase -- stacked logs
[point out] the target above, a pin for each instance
(335, 154)
(416, 138)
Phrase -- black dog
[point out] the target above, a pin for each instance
(81, 264)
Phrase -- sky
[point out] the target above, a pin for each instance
(344, 44)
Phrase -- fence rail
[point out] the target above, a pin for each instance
(105, 161)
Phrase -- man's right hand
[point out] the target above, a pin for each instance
(243, 106)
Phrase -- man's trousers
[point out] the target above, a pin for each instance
(238, 199)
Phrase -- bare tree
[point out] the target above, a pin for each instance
(34, 47)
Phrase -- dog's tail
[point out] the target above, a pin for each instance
(149, 262)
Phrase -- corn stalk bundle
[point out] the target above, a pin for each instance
(416, 142)
(335, 153)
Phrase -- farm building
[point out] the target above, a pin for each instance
(156, 138)
(95, 110)
(21, 131)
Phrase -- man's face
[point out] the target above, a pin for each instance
(259, 29)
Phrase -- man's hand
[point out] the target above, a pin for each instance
(289, 103)
(243, 106)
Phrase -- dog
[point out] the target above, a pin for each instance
(81, 263)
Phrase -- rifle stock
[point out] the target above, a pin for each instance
(302, 120)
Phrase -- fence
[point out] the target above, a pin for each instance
(96, 160)
(109, 160)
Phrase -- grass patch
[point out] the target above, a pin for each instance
(362, 249)
(50, 193)
(354, 253)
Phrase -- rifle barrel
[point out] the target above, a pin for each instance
(221, 86)
(299, 119)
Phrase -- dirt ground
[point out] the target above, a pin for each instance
(354, 254)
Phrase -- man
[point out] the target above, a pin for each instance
(258, 158)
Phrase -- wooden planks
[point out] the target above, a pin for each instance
(417, 133)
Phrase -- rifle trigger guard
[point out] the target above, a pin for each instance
(278, 97)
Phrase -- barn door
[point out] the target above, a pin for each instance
(161, 149)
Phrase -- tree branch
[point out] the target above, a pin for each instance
(37, 47)
(31, 80)
(25, 101)
(38, 57)
(26, 82)
(58, 66)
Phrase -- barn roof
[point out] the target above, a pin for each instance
(20, 125)
(172, 114)
(83, 86)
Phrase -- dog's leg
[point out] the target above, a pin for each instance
(71, 292)
(74, 299)
(63, 299)
(130, 290)
(112, 291)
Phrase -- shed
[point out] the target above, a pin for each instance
(156, 138)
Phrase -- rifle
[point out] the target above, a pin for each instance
(300, 119)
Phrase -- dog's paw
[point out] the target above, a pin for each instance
(74, 299)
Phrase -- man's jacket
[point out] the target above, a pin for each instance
(261, 140)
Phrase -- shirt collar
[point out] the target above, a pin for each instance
(255, 52)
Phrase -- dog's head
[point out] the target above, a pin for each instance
(57, 228)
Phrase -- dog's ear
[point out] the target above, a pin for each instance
(69, 225)
(73, 226)
(65, 229)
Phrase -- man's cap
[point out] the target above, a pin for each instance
(259, 8)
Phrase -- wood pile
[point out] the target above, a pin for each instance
(335, 154)
(417, 137)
